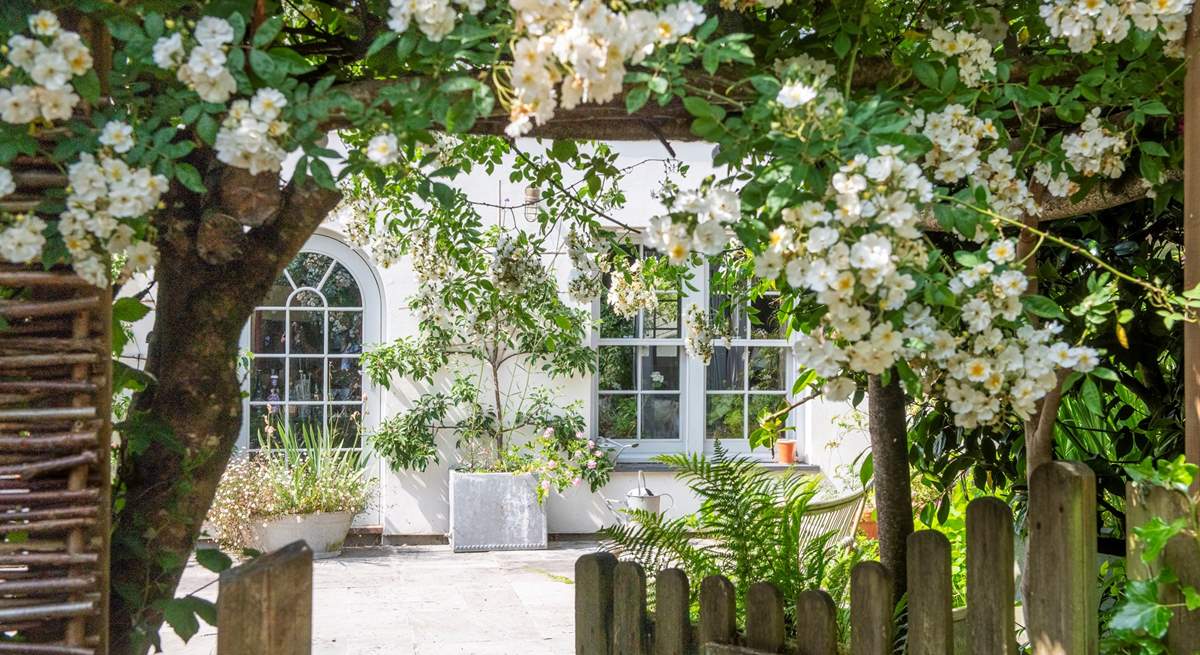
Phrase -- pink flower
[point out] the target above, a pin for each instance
(598, 453)
(546, 485)
(591, 444)
(591, 464)
(551, 465)
(579, 435)
(576, 482)
(548, 432)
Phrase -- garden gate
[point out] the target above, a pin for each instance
(1062, 609)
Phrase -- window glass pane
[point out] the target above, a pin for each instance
(267, 331)
(723, 417)
(763, 402)
(615, 326)
(344, 421)
(308, 299)
(766, 369)
(305, 417)
(306, 380)
(617, 367)
(340, 288)
(308, 268)
(662, 322)
(260, 417)
(764, 318)
(660, 417)
(345, 332)
(618, 416)
(266, 379)
(726, 370)
(278, 295)
(345, 378)
(727, 314)
(660, 368)
(307, 332)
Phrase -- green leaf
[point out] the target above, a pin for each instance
(925, 73)
(213, 559)
(267, 32)
(1140, 611)
(700, 108)
(153, 24)
(636, 98)
(841, 45)
(1154, 535)
(263, 65)
(949, 80)
(128, 310)
(1155, 108)
(320, 172)
(189, 177)
(88, 86)
(382, 41)
(206, 129)
(1153, 148)
(1043, 307)
(181, 617)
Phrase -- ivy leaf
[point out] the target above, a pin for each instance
(213, 560)
(181, 617)
(1155, 534)
(1140, 610)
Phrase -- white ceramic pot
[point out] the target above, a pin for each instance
(324, 532)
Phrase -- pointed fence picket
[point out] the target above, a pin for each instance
(1062, 609)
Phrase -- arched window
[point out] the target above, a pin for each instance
(305, 341)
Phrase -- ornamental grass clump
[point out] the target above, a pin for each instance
(302, 473)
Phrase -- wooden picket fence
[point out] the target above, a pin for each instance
(1062, 609)
(265, 606)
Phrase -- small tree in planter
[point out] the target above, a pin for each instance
(490, 321)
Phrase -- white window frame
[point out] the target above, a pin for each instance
(326, 243)
(693, 392)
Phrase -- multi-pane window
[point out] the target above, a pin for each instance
(306, 339)
(640, 382)
(649, 390)
(748, 375)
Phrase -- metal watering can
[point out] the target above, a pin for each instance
(644, 499)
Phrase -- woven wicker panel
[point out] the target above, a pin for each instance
(55, 395)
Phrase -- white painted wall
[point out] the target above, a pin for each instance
(416, 503)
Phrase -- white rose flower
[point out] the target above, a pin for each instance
(267, 103)
(7, 185)
(839, 389)
(168, 51)
(117, 135)
(213, 31)
(383, 150)
(44, 23)
(18, 105)
(795, 95)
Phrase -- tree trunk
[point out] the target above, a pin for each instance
(186, 424)
(893, 489)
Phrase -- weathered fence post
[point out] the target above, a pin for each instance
(672, 620)
(764, 618)
(594, 603)
(1063, 603)
(629, 610)
(930, 594)
(718, 610)
(816, 624)
(1181, 555)
(871, 606)
(990, 587)
(265, 606)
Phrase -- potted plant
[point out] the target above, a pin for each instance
(301, 487)
(490, 318)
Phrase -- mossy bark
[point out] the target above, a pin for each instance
(893, 486)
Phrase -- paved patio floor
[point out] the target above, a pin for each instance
(422, 600)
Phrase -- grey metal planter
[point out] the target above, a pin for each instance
(495, 511)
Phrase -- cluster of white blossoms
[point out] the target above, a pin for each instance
(587, 269)
(103, 192)
(205, 70)
(1087, 22)
(995, 364)
(630, 292)
(957, 135)
(435, 18)
(698, 340)
(7, 185)
(805, 80)
(383, 149)
(50, 60)
(22, 240)
(713, 209)
(1096, 150)
(515, 266)
(1059, 186)
(973, 53)
(584, 45)
(251, 134)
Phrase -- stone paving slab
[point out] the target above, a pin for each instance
(427, 600)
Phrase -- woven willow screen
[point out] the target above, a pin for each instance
(55, 372)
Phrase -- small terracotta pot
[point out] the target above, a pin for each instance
(869, 526)
(785, 451)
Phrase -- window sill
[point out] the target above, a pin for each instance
(659, 467)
